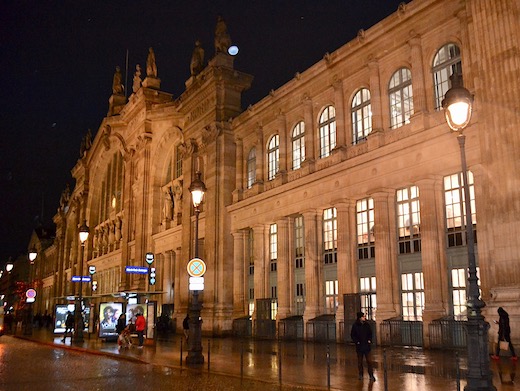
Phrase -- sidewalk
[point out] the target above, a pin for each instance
(303, 364)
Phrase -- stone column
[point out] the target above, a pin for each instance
(347, 267)
(239, 276)
(312, 265)
(341, 123)
(375, 96)
(436, 291)
(282, 132)
(310, 131)
(260, 156)
(284, 279)
(239, 175)
(418, 83)
(386, 259)
(260, 282)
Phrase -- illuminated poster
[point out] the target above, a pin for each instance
(60, 316)
(108, 315)
(132, 310)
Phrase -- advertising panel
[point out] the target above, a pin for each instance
(60, 315)
(109, 313)
(131, 313)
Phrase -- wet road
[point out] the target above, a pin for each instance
(29, 366)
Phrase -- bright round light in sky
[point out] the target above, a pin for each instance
(233, 50)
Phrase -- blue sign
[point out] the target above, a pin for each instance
(136, 270)
(82, 279)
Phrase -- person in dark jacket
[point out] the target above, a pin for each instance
(361, 335)
(504, 334)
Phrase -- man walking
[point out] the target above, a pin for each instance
(69, 326)
(361, 334)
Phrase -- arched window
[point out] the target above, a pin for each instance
(445, 63)
(401, 98)
(273, 157)
(327, 126)
(251, 168)
(111, 199)
(361, 116)
(298, 145)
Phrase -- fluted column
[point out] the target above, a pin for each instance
(312, 265)
(260, 278)
(341, 123)
(260, 156)
(282, 131)
(284, 278)
(386, 259)
(239, 275)
(375, 96)
(432, 251)
(310, 131)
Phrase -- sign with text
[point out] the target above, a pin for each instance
(136, 270)
(196, 284)
(81, 278)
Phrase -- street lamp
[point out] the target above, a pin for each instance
(195, 357)
(78, 311)
(32, 254)
(457, 106)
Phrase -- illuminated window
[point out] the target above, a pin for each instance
(327, 127)
(459, 278)
(408, 220)
(330, 236)
(361, 112)
(367, 290)
(111, 198)
(299, 244)
(251, 168)
(401, 98)
(273, 246)
(445, 63)
(331, 296)
(298, 145)
(273, 157)
(455, 208)
(412, 295)
(365, 228)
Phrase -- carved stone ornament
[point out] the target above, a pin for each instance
(107, 130)
(187, 148)
(210, 133)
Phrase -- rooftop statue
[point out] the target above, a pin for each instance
(151, 67)
(137, 78)
(222, 38)
(117, 85)
(197, 59)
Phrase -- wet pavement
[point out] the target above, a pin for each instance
(307, 365)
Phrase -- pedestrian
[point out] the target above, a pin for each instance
(121, 324)
(69, 326)
(504, 334)
(361, 334)
(186, 327)
(140, 325)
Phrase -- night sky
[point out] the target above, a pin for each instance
(57, 60)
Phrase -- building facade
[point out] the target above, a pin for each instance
(340, 189)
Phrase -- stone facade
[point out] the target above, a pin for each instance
(264, 202)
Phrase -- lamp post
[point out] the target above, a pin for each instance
(32, 254)
(195, 357)
(457, 106)
(78, 310)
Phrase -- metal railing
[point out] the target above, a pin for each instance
(447, 333)
(399, 332)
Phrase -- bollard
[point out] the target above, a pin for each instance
(279, 363)
(385, 372)
(209, 352)
(328, 367)
(181, 353)
(457, 369)
(241, 360)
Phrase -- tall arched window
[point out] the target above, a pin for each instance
(445, 63)
(273, 157)
(298, 145)
(111, 199)
(361, 112)
(251, 168)
(401, 98)
(327, 126)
